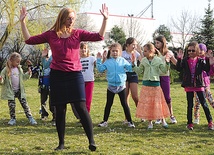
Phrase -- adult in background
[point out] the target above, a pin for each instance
(66, 79)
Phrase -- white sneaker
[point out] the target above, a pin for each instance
(150, 126)
(131, 125)
(173, 120)
(158, 121)
(12, 122)
(103, 124)
(143, 120)
(196, 121)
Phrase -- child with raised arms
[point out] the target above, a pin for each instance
(206, 77)
(152, 104)
(116, 67)
(192, 67)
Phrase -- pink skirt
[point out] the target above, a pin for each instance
(152, 104)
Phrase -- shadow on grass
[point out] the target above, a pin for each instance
(157, 131)
(75, 128)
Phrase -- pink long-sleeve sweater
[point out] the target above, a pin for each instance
(65, 51)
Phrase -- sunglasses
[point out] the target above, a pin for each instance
(190, 50)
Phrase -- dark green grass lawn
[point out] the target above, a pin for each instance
(114, 139)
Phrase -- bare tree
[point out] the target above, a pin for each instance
(135, 27)
(184, 26)
(85, 22)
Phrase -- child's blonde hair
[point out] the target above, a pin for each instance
(84, 44)
(152, 48)
(14, 56)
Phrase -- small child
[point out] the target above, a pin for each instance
(116, 67)
(12, 78)
(206, 78)
(192, 67)
(88, 63)
(152, 104)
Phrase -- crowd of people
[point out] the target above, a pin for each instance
(71, 66)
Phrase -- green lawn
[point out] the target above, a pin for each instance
(115, 139)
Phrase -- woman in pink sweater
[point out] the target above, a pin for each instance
(66, 80)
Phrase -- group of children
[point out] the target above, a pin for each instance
(154, 101)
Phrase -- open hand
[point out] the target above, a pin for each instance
(209, 54)
(45, 52)
(99, 55)
(23, 14)
(29, 63)
(180, 54)
(104, 11)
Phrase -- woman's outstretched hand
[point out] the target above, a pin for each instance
(104, 11)
(23, 14)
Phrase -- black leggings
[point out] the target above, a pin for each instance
(202, 99)
(85, 120)
(109, 102)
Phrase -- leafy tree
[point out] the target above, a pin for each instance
(205, 33)
(41, 16)
(163, 30)
(37, 10)
(117, 35)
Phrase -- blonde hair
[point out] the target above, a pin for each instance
(152, 48)
(59, 25)
(13, 57)
(82, 45)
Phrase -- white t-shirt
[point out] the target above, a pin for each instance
(15, 78)
(88, 68)
(128, 56)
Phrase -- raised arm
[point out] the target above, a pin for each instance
(105, 14)
(25, 32)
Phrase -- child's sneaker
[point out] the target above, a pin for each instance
(150, 126)
(143, 120)
(165, 125)
(158, 121)
(190, 126)
(131, 125)
(173, 120)
(103, 124)
(210, 126)
(196, 121)
(12, 122)
(32, 121)
(44, 118)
